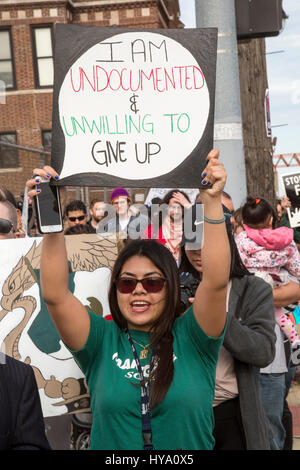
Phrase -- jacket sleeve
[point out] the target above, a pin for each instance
(250, 335)
(29, 431)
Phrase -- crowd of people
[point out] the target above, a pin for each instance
(205, 321)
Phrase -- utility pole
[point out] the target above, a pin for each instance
(228, 133)
(257, 145)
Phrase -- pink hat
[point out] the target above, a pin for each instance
(119, 192)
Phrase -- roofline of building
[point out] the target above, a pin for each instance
(86, 4)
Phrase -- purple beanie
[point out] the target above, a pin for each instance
(119, 192)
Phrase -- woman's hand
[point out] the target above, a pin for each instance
(47, 172)
(68, 313)
(213, 174)
(215, 253)
(181, 199)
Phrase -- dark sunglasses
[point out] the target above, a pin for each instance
(6, 226)
(152, 285)
(73, 219)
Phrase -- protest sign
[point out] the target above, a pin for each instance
(27, 331)
(291, 184)
(133, 107)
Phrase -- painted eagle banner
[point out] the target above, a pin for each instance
(27, 331)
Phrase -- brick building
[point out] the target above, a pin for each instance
(27, 29)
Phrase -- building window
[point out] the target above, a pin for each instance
(42, 41)
(47, 140)
(8, 155)
(6, 59)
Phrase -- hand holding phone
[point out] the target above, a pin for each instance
(48, 207)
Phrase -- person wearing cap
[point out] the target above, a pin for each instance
(127, 217)
(249, 343)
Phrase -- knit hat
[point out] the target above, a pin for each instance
(119, 192)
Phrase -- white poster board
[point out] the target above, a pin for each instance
(132, 105)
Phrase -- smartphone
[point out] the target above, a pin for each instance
(47, 207)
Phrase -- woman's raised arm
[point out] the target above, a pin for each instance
(210, 299)
(69, 315)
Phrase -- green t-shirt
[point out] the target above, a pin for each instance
(184, 420)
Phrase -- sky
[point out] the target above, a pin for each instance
(283, 70)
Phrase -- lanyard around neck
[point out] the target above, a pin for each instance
(145, 396)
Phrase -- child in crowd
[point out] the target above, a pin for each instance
(270, 253)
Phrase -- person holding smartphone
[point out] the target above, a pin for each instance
(151, 371)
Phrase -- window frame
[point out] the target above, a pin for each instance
(33, 27)
(12, 57)
(43, 131)
(16, 149)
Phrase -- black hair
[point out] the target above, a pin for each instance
(237, 267)
(156, 200)
(257, 212)
(186, 266)
(6, 194)
(226, 195)
(79, 229)
(75, 205)
(166, 199)
(12, 212)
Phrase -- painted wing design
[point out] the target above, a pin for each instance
(88, 252)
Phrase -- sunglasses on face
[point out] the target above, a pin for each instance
(6, 226)
(73, 219)
(152, 285)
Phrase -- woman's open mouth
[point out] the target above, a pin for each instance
(139, 306)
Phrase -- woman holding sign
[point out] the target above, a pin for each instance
(150, 372)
